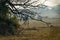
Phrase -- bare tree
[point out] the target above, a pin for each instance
(26, 4)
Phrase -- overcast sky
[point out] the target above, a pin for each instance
(49, 2)
(49, 12)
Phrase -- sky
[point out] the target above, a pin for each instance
(50, 13)
(49, 2)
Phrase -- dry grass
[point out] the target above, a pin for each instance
(46, 33)
(42, 33)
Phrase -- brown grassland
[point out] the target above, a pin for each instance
(42, 33)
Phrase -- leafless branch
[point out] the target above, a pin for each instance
(27, 1)
(33, 2)
(27, 4)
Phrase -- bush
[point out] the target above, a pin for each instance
(8, 26)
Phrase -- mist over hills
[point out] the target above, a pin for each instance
(46, 12)
(53, 12)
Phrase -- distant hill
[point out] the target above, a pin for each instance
(53, 12)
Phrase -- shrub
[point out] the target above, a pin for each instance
(8, 26)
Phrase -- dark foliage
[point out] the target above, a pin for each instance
(8, 26)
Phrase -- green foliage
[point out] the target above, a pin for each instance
(7, 26)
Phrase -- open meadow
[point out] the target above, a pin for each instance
(42, 32)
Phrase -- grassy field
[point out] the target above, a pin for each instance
(46, 33)
(42, 33)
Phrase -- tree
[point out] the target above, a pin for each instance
(8, 26)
